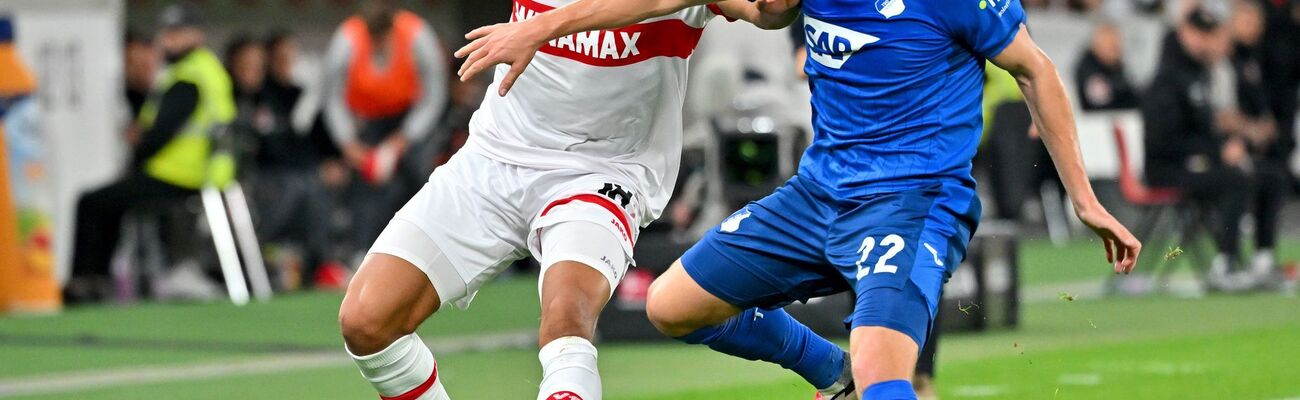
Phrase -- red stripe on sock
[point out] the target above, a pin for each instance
(419, 390)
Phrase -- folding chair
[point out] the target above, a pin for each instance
(1157, 204)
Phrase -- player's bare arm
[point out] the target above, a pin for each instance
(768, 15)
(516, 43)
(1045, 95)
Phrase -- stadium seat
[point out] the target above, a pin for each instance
(1156, 204)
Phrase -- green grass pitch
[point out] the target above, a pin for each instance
(1220, 347)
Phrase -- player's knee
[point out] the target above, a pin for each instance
(882, 354)
(866, 370)
(667, 318)
(365, 331)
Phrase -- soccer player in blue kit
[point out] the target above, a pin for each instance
(883, 203)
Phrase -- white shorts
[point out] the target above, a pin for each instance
(476, 216)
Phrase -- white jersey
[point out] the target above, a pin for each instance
(607, 101)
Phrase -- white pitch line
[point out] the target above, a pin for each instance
(1079, 379)
(979, 390)
(139, 375)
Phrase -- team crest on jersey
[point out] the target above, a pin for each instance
(732, 223)
(831, 45)
(890, 8)
(999, 6)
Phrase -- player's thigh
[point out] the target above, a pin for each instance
(897, 250)
(581, 263)
(582, 233)
(388, 297)
(677, 305)
(584, 218)
(462, 229)
(767, 255)
(588, 244)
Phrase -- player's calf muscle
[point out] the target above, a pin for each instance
(573, 294)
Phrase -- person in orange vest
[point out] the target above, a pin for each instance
(386, 87)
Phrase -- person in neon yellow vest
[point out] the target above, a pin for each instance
(172, 158)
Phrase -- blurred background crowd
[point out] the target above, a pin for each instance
(329, 114)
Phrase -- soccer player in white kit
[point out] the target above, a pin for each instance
(567, 168)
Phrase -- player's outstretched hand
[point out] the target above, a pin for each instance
(507, 43)
(1122, 248)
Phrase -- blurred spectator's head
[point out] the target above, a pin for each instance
(1106, 45)
(179, 31)
(1202, 35)
(378, 15)
(1035, 3)
(140, 61)
(283, 54)
(1247, 22)
(246, 60)
(1083, 5)
(467, 95)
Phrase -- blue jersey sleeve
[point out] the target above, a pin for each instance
(987, 26)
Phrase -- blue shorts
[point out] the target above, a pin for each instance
(894, 250)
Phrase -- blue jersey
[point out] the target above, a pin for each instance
(896, 89)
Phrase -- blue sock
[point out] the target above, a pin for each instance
(890, 390)
(774, 336)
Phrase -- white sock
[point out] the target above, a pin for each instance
(569, 370)
(1263, 262)
(1219, 266)
(405, 370)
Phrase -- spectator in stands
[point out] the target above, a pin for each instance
(1035, 4)
(141, 64)
(292, 206)
(169, 162)
(1281, 69)
(1083, 6)
(246, 61)
(1252, 120)
(1183, 147)
(282, 91)
(1100, 78)
(1018, 162)
(386, 87)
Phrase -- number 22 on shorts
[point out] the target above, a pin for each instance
(892, 245)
